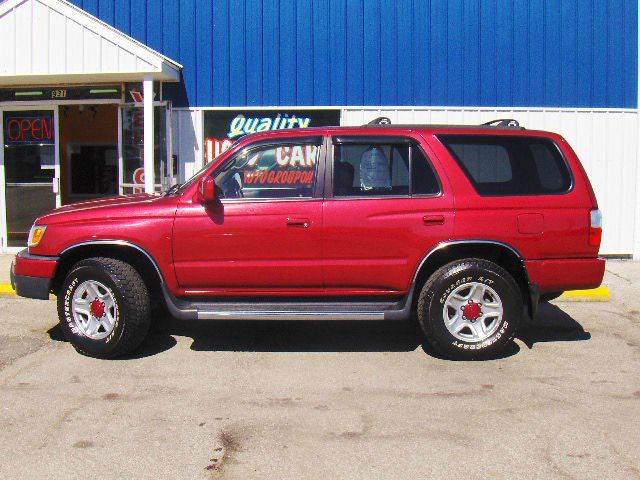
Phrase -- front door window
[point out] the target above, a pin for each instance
(283, 171)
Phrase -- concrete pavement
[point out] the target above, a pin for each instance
(5, 265)
(326, 400)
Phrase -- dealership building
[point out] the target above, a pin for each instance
(107, 97)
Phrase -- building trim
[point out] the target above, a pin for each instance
(126, 60)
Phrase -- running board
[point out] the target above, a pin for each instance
(349, 311)
(288, 315)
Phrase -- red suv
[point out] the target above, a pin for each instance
(467, 227)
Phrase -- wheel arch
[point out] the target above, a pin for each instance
(126, 251)
(500, 253)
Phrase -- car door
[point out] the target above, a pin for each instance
(263, 233)
(386, 206)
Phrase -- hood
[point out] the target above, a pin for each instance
(128, 205)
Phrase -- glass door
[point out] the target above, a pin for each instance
(30, 161)
(132, 148)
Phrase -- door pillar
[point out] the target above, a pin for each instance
(147, 98)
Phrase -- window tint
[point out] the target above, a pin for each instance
(510, 165)
(423, 178)
(283, 171)
(361, 170)
(381, 169)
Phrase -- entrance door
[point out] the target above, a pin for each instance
(132, 148)
(88, 144)
(29, 161)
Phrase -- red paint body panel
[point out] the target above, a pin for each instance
(352, 247)
(248, 245)
(142, 220)
(566, 274)
(34, 267)
(378, 244)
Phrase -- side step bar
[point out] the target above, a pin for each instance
(185, 310)
(288, 315)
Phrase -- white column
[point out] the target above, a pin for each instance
(636, 206)
(636, 240)
(147, 98)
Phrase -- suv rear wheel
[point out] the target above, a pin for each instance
(470, 309)
(104, 307)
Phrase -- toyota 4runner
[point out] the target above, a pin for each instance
(466, 228)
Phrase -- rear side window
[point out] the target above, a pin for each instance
(381, 169)
(510, 165)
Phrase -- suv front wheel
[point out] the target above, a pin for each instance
(470, 309)
(104, 307)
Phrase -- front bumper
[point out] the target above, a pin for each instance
(31, 275)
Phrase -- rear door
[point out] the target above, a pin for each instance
(264, 233)
(387, 204)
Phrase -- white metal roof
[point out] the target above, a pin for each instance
(53, 41)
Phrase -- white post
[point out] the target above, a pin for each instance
(636, 240)
(147, 98)
(636, 206)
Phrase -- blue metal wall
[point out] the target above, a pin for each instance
(555, 53)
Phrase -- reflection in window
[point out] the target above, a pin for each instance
(285, 171)
(381, 170)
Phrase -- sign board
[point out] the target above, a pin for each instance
(39, 94)
(223, 127)
(28, 128)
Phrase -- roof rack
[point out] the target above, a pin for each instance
(503, 122)
(508, 123)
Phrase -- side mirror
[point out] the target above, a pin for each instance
(207, 190)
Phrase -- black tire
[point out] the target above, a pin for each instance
(453, 278)
(132, 307)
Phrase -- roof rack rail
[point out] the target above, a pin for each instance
(503, 122)
(380, 121)
(499, 123)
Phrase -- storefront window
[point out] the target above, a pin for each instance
(133, 149)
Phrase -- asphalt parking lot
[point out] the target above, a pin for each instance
(326, 400)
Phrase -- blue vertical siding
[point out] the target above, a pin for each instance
(553, 53)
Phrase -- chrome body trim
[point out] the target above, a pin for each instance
(284, 315)
(444, 245)
(441, 246)
(118, 243)
(29, 256)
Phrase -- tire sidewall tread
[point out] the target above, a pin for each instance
(132, 300)
(444, 280)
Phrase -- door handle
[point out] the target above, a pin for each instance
(433, 220)
(298, 222)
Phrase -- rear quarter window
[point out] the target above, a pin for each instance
(510, 165)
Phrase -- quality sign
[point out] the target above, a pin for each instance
(223, 127)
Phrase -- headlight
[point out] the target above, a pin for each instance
(35, 235)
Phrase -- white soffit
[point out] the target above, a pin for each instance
(53, 41)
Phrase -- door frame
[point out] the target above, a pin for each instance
(56, 177)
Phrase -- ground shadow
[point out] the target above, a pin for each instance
(551, 324)
(156, 342)
(298, 336)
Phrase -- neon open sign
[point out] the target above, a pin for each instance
(22, 128)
